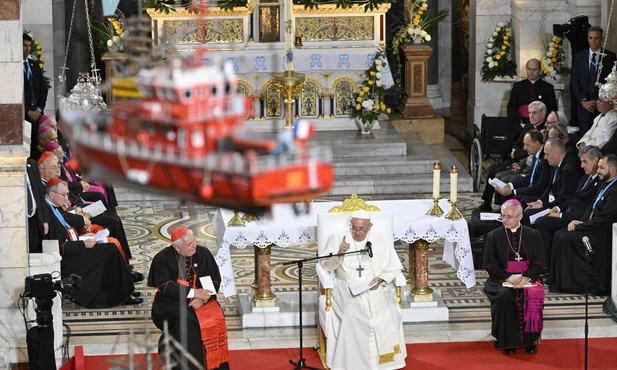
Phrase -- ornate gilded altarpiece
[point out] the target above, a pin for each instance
(337, 45)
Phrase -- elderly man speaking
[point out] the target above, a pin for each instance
(368, 331)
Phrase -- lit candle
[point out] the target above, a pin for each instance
(436, 179)
(289, 64)
(453, 183)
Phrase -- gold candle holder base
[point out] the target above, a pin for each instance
(290, 84)
(435, 209)
(454, 213)
(248, 217)
(236, 220)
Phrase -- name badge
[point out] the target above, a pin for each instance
(551, 198)
(73, 234)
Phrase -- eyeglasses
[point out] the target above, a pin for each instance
(552, 122)
(62, 195)
(508, 217)
(358, 229)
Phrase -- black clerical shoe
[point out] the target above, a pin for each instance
(136, 293)
(532, 349)
(509, 351)
(133, 300)
(137, 276)
(485, 208)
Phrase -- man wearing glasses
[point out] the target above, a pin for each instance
(603, 126)
(368, 330)
(514, 259)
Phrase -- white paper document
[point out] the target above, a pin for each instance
(360, 288)
(533, 218)
(100, 237)
(490, 216)
(95, 209)
(527, 284)
(207, 284)
(497, 183)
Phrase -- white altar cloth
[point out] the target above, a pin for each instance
(283, 228)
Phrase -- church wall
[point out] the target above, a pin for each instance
(445, 54)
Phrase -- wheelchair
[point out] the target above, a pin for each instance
(493, 144)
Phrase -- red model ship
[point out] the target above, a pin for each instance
(186, 137)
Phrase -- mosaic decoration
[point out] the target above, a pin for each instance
(343, 91)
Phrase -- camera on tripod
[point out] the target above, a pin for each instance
(43, 288)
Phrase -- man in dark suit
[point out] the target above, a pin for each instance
(588, 67)
(561, 214)
(38, 213)
(35, 90)
(571, 270)
(515, 164)
(538, 176)
(528, 90)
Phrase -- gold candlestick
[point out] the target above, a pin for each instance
(435, 209)
(454, 213)
(290, 84)
(236, 220)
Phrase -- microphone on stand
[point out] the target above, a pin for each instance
(585, 241)
(369, 249)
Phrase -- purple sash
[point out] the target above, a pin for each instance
(534, 299)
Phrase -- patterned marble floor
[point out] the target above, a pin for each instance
(147, 220)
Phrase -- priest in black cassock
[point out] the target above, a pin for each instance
(105, 277)
(533, 88)
(514, 259)
(178, 273)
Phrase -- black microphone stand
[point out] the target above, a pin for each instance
(301, 363)
(586, 308)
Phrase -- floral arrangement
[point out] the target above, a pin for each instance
(36, 54)
(554, 61)
(417, 29)
(110, 33)
(365, 105)
(497, 62)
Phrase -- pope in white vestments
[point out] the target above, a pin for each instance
(367, 329)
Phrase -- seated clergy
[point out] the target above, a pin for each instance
(105, 277)
(561, 214)
(603, 126)
(191, 311)
(514, 259)
(562, 182)
(368, 330)
(571, 270)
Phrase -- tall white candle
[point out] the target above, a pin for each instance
(289, 35)
(436, 179)
(453, 183)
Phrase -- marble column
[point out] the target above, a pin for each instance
(421, 291)
(414, 102)
(411, 279)
(264, 296)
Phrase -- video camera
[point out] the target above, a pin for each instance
(575, 30)
(43, 288)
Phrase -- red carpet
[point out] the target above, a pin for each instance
(552, 354)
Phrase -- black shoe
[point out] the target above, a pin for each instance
(137, 276)
(509, 351)
(485, 208)
(532, 349)
(136, 293)
(133, 300)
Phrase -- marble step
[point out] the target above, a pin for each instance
(396, 184)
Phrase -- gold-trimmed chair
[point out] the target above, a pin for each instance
(327, 224)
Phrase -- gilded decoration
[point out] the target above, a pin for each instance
(210, 31)
(273, 101)
(353, 204)
(332, 8)
(309, 97)
(343, 88)
(212, 12)
(244, 88)
(336, 28)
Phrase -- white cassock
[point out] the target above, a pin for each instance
(602, 130)
(366, 330)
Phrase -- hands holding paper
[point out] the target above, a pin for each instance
(517, 281)
(200, 297)
(375, 283)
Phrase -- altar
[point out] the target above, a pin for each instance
(284, 228)
(332, 47)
